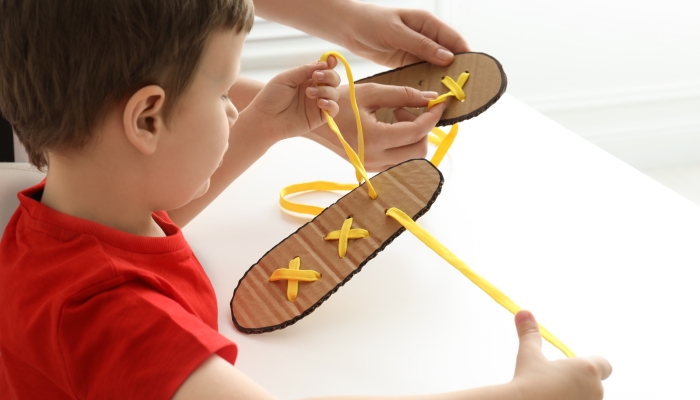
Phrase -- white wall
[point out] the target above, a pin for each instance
(625, 74)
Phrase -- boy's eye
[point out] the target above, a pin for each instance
(224, 97)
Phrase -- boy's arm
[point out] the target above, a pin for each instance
(216, 379)
(536, 378)
(244, 91)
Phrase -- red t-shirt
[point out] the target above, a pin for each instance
(91, 312)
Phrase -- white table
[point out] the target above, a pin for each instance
(605, 257)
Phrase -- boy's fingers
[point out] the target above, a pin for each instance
(326, 77)
(323, 92)
(601, 365)
(332, 62)
(328, 105)
(299, 75)
(375, 96)
(528, 332)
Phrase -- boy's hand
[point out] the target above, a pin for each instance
(292, 102)
(539, 378)
(385, 144)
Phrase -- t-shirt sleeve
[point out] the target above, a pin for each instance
(132, 342)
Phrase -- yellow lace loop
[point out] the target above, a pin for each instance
(454, 87)
(344, 234)
(462, 267)
(293, 275)
(317, 186)
(358, 161)
(436, 135)
(444, 143)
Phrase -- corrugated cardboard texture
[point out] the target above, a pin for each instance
(487, 82)
(261, 306)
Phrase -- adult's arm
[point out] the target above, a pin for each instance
(393, 37)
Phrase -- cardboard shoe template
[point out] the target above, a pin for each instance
(486, 84)
(261, 305)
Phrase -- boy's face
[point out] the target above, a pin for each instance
(197, 136)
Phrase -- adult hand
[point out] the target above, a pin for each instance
(392, 37)
(539, 378)
(385, 144)
(395, 37)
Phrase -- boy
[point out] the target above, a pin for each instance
(126, 103)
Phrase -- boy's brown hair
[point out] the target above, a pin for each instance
(62, 63)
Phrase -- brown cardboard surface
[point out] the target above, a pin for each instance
(259, 306)
(486, 84)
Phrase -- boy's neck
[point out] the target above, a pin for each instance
(86, 188)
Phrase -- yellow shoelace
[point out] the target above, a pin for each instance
(444, 140)
(462, 267)
(293, 275)
(344, 234)
(455, 89)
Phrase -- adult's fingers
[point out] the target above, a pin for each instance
(528, 332)
(405, 133)
(400, 154)
(323, 92)
(403, 115)
(429, 38)
(375, 96)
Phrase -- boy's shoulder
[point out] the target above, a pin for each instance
(86, 300)
(44, 248)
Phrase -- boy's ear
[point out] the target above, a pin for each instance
(143, 118)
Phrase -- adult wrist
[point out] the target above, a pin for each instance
(327, 20)
(345, 12)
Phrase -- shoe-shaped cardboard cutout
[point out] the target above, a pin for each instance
(486, 84)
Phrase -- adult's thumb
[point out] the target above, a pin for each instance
(528, 331)
(425, 48)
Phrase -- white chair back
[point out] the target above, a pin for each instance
(14, 177)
